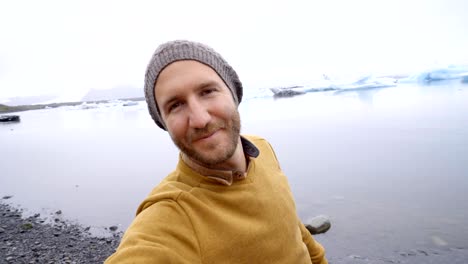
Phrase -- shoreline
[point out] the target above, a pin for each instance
(5, 109)
(33, 240)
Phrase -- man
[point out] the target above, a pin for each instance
(227, 200)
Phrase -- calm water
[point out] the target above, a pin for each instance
(389, 166)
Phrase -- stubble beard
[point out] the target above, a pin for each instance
(232, 128)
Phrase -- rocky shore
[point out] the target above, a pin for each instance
(39, 239)
(33, 240)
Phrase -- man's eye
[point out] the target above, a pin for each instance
(208, 91)
(174, 106)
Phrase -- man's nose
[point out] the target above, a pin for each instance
(199, 116)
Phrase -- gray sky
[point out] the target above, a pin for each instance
(69, 47)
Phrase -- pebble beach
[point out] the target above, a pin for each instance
(31, 240)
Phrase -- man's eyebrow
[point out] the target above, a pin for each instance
(206, 84)
(200, 86)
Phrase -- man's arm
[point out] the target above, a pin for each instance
(316, 251)
(162, 233)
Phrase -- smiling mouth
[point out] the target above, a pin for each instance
(205, 136)
(208, 135)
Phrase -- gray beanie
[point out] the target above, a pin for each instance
(177, 50)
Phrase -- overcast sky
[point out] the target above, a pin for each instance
(69, 47)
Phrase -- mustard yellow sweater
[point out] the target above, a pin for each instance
(188, 218)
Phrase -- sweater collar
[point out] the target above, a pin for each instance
(225, 177)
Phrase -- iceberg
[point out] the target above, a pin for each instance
(363, 83)
(465, 79)
(368, 82)
(451, 72)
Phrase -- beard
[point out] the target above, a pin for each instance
(214, 153)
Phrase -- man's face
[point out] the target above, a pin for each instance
(199, 112)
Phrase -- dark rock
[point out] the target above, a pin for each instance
(7, 197)
(58, 212)
(10, 118)
(423, 252)
(319, 224)
(285, 92)
(113, 228)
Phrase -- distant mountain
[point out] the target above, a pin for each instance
(120, 92)
(28, 100)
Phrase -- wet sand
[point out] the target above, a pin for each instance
(388, 166)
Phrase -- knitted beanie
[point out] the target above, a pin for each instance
(177, 50)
